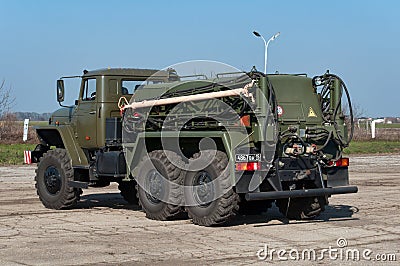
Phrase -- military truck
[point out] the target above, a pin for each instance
(208, 147)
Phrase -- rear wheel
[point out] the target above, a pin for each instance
(160, 184)
(128, 191)
(301, 208)
(53, 173)
(209, 193)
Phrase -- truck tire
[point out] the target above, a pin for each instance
(52, 175)
(203, 209)
(128, 191)
(164, 200)
(301, 208)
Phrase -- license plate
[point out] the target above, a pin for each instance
(248, 157)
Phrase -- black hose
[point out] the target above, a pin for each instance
(296, 136)
(343, 85)
(326, 142)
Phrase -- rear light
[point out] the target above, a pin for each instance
(343, 162)
(246, 166)
(245, 120)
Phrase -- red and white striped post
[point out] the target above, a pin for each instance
(27, 157)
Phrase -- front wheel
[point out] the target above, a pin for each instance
(53, 173)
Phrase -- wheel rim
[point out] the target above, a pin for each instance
(203, 189)
(154, 186)
(52, 180)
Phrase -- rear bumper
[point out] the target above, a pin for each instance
(315, 192)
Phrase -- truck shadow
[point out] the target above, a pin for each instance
(332, 213)
(273, 217)
(108, 200)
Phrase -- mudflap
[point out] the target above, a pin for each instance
(337, 176)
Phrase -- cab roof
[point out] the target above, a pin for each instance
(137, 72)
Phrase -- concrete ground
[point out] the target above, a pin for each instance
(103, 229)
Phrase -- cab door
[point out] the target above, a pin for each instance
(87, 114)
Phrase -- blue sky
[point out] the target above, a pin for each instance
(358, 40)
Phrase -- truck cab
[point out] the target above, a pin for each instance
(99, 93)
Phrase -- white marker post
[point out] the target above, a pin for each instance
(26, 126)
(373, 126)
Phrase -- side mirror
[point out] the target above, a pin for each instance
(60, 90)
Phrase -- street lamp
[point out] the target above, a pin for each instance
(266, 43)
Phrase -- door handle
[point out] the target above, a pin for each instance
(92, 112)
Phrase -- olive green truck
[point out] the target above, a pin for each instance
(208, 147)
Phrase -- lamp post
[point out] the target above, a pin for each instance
(266, 43)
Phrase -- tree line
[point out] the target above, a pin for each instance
(7, 101)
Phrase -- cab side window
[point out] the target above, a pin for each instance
(89, 91)
(129, 86)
